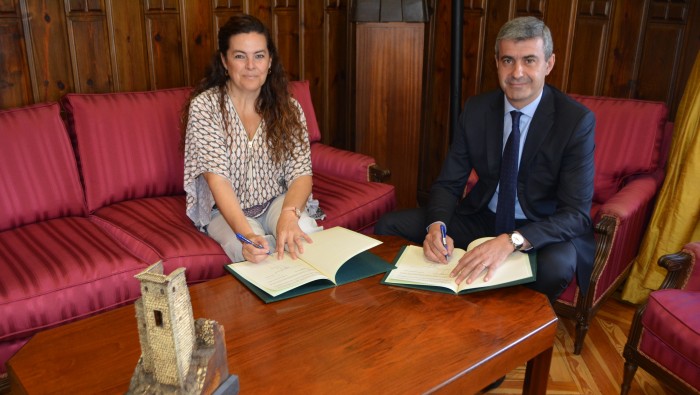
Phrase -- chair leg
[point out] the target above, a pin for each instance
(630, 370)
(581, 331)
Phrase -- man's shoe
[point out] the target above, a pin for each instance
(494, 385)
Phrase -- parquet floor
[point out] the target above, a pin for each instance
(598, 370)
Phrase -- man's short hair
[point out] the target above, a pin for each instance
(525, 28)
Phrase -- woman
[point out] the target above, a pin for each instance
(247, 155)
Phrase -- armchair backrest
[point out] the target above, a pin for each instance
(39, 174)
(630, 138)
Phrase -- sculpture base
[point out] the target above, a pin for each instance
(208, 371)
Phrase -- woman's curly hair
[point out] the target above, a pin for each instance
(283, 126)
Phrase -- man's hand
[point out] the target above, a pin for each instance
(487, 256)
(433, 249)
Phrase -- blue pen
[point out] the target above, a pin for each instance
(444, 239)
(244, 239)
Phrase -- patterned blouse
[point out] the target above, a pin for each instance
(255, 177)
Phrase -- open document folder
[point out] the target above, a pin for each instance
(413, 270)
(337, 256)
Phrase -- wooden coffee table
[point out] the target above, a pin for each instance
(361, 337)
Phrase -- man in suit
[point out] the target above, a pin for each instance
(551, 174)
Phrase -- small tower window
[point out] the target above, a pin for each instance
(158, 317)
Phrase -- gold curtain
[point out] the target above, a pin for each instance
(675, 219)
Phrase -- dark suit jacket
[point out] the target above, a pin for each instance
(555, 178)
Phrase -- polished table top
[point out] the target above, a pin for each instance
(362, 337)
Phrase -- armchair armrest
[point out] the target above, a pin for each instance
(619, 230)
(349, 165)
(683, 271)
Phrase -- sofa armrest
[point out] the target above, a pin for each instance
(619, 230)
(349, 165)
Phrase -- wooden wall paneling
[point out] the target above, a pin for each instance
(223, 10)
(662, 48)
(262, 9)
(200, 37)
(285, 33)
(47, 41)
(474, 53)
(497, 12)
(434, 136)
(389, 90)
(312, 56)
(335, 119)
(166, 54)
(590, 46)
(560, 17)
(91, 52)
(691, 48)
(128, 36)
(621, 58)
(15, 84)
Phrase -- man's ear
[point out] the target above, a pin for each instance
(550, 64)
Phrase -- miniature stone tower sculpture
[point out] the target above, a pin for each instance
(166, 324)
(178, 354)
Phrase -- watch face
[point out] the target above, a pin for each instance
(517, 239)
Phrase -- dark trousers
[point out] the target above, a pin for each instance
(556, 263)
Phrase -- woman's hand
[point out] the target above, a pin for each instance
(290, 234)
(252, 253)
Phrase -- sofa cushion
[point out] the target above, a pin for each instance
(128, 144)
(351, 204)
(40, 177)
(671, 332)
(58, 271)
(300, 91)
(636, 125)
(156, 229)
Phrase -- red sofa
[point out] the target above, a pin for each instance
(90, 202)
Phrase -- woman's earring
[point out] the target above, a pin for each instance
(226, 72)
(269, 71)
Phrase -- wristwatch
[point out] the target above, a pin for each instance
(296, 211)
(517, 240)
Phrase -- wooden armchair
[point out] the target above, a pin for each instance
(632, 139)
(664, 338)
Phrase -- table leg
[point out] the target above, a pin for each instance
(537, 373)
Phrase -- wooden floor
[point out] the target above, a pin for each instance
(598, 370)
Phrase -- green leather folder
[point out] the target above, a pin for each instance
(362, 265)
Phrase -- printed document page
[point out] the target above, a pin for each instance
(333, 247)
(277, 277)
(413, 268)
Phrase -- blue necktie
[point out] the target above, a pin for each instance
(505, 210)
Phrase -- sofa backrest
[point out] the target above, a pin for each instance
(39, 178)
(300, 91)
(629, 140)
(128, 144)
